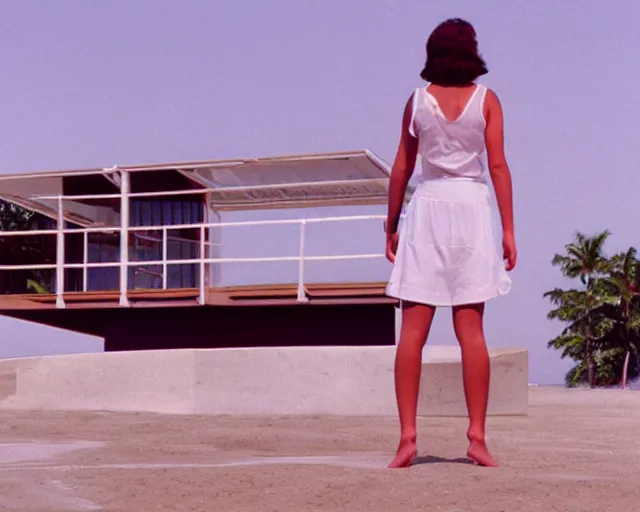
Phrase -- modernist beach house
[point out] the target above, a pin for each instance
(139, 255)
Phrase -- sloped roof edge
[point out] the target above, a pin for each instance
(229, 162)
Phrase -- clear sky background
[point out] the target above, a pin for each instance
(89, 83)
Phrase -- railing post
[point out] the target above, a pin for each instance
(215, 240)
(164, 258)
(124, 237)
(85, 260)
(60, 257)
(302, 295)
(201, 295)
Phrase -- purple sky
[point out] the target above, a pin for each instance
(133, 81)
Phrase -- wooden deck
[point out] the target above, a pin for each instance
(265, 295)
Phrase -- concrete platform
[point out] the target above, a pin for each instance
(576, 451)
(253, 381)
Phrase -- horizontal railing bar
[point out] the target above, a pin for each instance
(344, 257)
(103, 229)
(47, 266)
(192, 261)
(79, 197)
(39, 232)
(33, 232)
(248, 223)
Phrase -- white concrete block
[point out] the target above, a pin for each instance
(442, 391)
(277, 381)
(157, 381)
(296, 380)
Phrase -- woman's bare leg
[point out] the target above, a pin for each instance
(416, 322)
(467, 322)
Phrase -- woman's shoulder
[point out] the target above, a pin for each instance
(413, 99)
(490, 94)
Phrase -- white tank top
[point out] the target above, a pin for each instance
(449, 149)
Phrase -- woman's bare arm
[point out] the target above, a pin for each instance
(498, 167)
(500, 175)
(402, 170)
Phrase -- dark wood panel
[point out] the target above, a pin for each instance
(161, 181)
(90, 184)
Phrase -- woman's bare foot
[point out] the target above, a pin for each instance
(407, 451)
(479, 454)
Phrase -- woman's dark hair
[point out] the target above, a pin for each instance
(452, 55)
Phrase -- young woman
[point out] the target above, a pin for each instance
(446, 255)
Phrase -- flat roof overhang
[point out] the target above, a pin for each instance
(296, 181)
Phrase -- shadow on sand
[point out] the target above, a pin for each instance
(432, 459)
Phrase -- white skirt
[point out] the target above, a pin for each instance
(447, 253)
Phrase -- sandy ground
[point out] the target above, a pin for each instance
(576, 451)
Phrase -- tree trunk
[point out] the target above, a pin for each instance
(591, 367)
(591, 373)
(625, 370)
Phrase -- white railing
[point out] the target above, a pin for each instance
(125, 229)
(124, 264)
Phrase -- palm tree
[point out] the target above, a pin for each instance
(623, 282)
(585, 258)
(587, 337)
(582, 339)
(602, 332)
